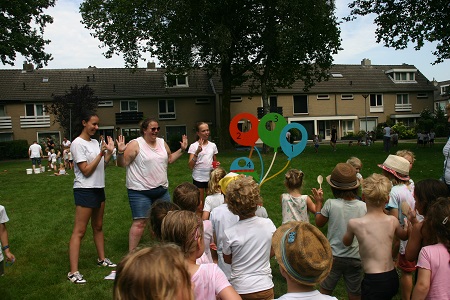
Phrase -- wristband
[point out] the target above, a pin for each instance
(102, 153)
(194, 159)
(318, 213)
(5, 247)
(120, 153)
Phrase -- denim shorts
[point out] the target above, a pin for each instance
(141, 201)
(91, 198)
(351, 269)
(36, 161)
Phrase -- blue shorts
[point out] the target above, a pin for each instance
(36, 161)
(91, 198)
(141, 201)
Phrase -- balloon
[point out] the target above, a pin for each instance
(292, 150)
(248, 167)
(247, 138)
(271, 137)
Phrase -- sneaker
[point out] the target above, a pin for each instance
(106, 263)
(76, 278)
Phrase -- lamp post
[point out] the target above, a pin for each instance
(365, 107)
(70, 104)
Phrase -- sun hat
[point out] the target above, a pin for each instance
(343, 177)
(303, 252)
(225, 181)
(397, 166)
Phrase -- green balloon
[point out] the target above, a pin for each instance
(271, 136)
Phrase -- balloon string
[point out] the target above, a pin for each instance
(261, 162)
(275, 174)
(271, 164)
(251, 152)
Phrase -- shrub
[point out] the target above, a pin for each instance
(14, 149)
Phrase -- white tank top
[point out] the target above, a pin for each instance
(149, 168)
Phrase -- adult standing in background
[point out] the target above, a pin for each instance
(333, 137)
(65, 145)
(35, 153)
(446, 152)
(50, 143)
(89, 192)
(387, 138)
(146, 159)
(202, 154)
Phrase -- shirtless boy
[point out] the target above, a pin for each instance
(375, 232)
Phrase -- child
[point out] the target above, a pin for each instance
(294, 205)
(337, 212)
(316, 143)
(58, 158)
(157, 213)
(114, 156)
(434, 260)
(53, 159)
(62, 170)
(375, 233)
(70, 160)
(143, 274)
(409, 156)
(66, 158)
(396, 169)
(4, 241)
(49, 159)
(303, 265)
(185, 229)
(187, 197)
(215, 197)
(357, 164)
(247, 244)
(425, 193)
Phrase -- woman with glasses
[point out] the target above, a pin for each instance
(146, 159)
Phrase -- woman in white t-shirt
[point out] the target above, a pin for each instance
(202, 154)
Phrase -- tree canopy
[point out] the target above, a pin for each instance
(271, 42)
(22, 24)
(403, 21)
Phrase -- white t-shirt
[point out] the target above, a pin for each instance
(3, 219)
(53, 156)
(203, 165)
(208, 238)
(212, 201)
(249, 242)
(209, 281)
(66, 144)
(87, 151)
(314, 295)
(35, 150)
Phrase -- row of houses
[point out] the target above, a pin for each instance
(356, 97)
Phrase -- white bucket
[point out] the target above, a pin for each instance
(37, 170)
(42, 169)
(29, 171)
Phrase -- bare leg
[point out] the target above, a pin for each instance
(97, 229)
(406, 285)
(82, 216)
(136, 231)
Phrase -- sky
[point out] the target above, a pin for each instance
(72, 46)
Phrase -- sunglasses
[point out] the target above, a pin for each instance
(153, 129)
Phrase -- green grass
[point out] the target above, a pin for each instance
(41, 212)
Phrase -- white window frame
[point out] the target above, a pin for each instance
(164, 113)
(378, 107)
(177, 82)
(323, 97)
(236, 99)
(402, 99)
(402, 75)
(35, 114)
(347, 97)
(444, 89)
(128, 105)
(105, 103)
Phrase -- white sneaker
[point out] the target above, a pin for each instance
(106, 263)
(76, 278)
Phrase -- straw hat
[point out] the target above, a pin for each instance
(303, 252)
(224, 182)
(343, 177)
(397, 166)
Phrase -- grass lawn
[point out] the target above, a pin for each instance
(41, 212)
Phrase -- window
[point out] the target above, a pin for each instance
(422, 95)
(323, 97)
(2, 111)
(130, 133)
(236, 99)
(402, 75)
(167, 109)
(32, 110)
(402, 99)
(300, 104)
(444, 89)
(176, 80)
(376, 100)
(347, 97)
(6, 136)
(336, 75)
(128, 105)
(347, 126)
(106, 103)
(202, 101)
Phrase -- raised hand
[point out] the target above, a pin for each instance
(121, 146)
(109, 145)
(184, 142)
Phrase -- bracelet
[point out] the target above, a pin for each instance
(120, 153)
(5, 247)
(194, 159)
(318, 213)
(102, 153)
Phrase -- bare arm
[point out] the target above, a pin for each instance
(177, 154)
(422, 285)
(318, 197)
(88, 168)
(414, 243)
(311, 206)
(227, 258)
(193, 156)
(126, 153)
(4, 241)
(205, 215)
(349, 235)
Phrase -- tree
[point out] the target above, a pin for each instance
(399, 22)
(22, 24)
(236, 39)
(69, 108)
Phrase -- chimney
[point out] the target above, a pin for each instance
(27, 67)
(151, 66)
(366, 62)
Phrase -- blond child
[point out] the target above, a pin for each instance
(185, 229)
(294, 205)
(357, 164)
(215, 197)
(247, 244)
(53, 159)
(143, 274)
(62, 170)
(409, 156)
(375, 232)
(4, 243)
(303, 265)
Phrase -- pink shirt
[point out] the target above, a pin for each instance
(436, 259)
(209, 281)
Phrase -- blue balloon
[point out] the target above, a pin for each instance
(292, 150)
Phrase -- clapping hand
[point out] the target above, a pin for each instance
(184, 142)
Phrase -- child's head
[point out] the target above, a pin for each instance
(216, 175)
(293, 179)
(157, 214)
(343, 181)
(437, 221)
(408, 155)
(427, 191)
(302, 252)
(243, 197)
(143, 274)
(53, 151)
(185, 229)
(396, 168)
(356, 163)
(187, 196)
(225, 181)
(376, 189)
(62, 167)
